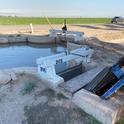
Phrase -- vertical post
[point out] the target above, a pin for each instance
(31, 27)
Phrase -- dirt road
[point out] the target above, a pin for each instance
(104, 32)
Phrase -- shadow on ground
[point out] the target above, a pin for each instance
(118, 27)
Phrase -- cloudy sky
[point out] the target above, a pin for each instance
(63, 8)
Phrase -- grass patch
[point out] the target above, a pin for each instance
(38, 20)
(28, 88)
(46, 114)
(94, 121)
(121, 121)
(51, 94)
(48, 92)
(61, 96)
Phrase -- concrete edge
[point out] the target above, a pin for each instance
(106, 111)
(27, 39)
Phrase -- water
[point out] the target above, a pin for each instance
(20, 55)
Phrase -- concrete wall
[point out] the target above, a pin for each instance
(106, 111)
(26, 38)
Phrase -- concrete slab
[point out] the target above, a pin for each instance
(41, 39)
(78, 82)
(3, 40)
(106, 111)
(17, 39)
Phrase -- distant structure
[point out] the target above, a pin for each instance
(64, 28)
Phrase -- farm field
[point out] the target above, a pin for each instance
(38, 20)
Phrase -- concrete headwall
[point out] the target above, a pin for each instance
(106, 111)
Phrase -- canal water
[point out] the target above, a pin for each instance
(20, 55)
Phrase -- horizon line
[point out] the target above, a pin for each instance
(56, 16)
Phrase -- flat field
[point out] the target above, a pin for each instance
(38, 20)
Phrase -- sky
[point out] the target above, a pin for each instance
(62, 8)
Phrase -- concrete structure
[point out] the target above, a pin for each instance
(72, 46)
(17, 39)
(76, 83)
(106, 111)
(53, 37)
(76, 36)
(3, 40)
(46, 65)
(27, 39)
(41, 39)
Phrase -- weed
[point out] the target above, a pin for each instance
(28, 87)
(61, 96)
(94, 121)
(48, 92)
(121, 121)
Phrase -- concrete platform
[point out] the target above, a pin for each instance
(106, 111)
(80, 81)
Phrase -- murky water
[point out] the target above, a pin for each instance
(19, 55)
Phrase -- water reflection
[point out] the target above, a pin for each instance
(16, 55)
